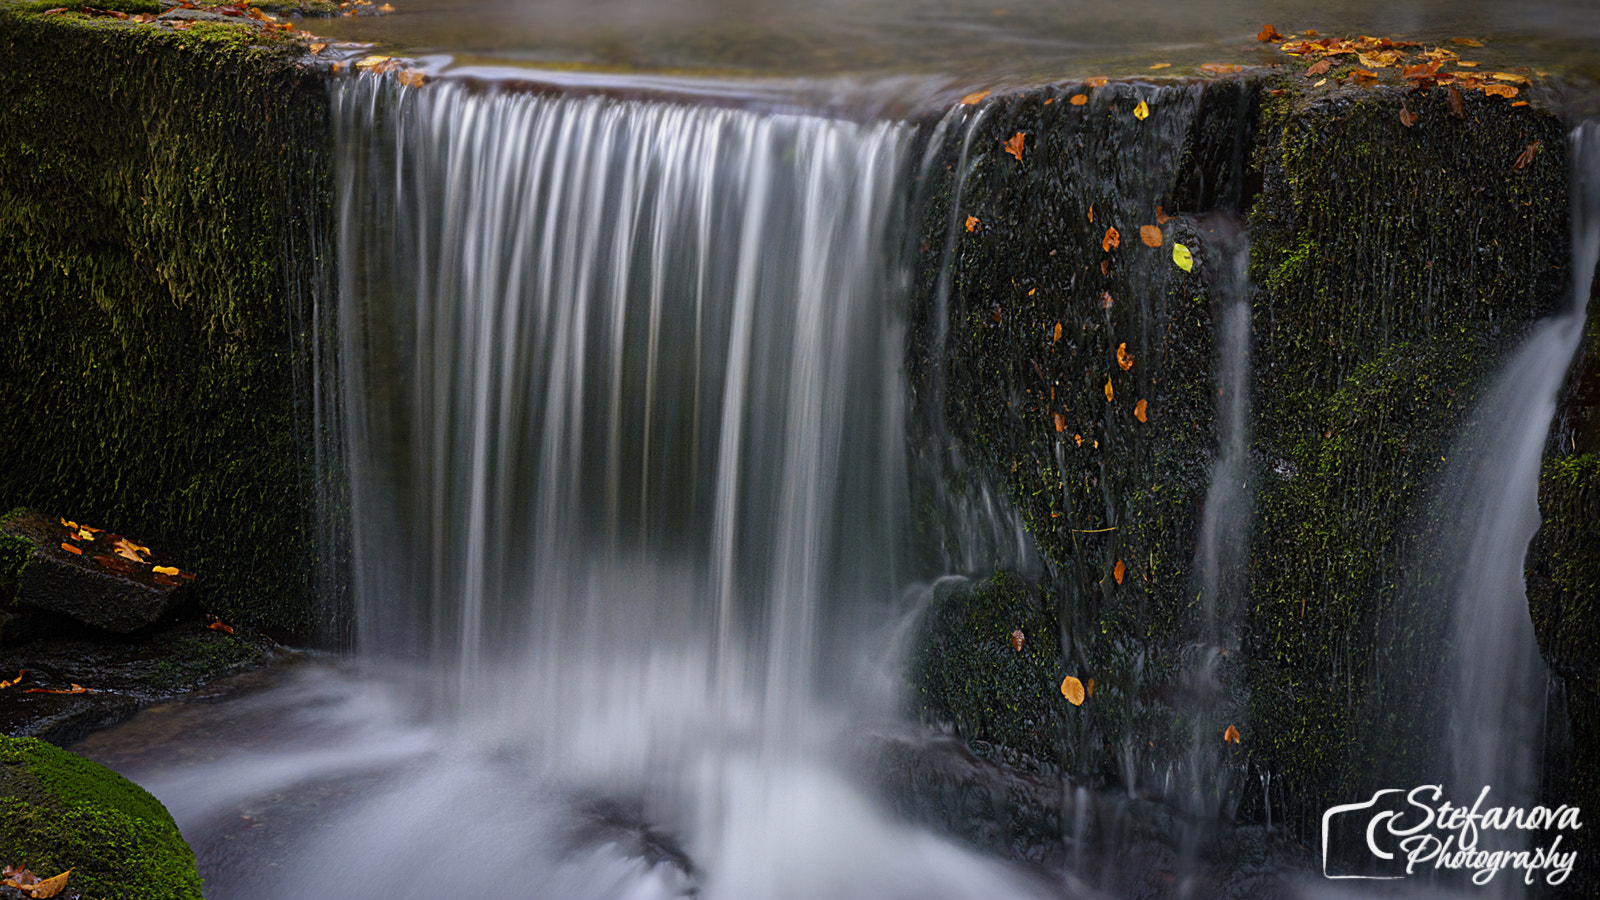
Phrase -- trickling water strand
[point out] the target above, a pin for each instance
(1491, 513)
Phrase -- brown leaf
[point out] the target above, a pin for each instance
(1112, 239)
(1139, 411)
(1500, 90)
(115, 564)
(1061, 421)
(1269, 34)
(1072, 689)
(75, 689)
(50, 886)
(972, 224)
(1407, 117)
(1105, 300)
(1452, 100)
(1161, 216)
(1014, 146)
(1231, 736)
(1117, 571)
(1123, 359)
(1017, 640)
(1320, 67)
(1466, 42)
(1362, 76)
(1150, 234)
(1526, 157)
(1221, 68)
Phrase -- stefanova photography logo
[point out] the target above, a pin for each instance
(1413, 833)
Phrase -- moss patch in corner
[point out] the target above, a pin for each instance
(60, 811)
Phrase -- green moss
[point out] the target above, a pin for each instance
(60, 811)
(195, 660)
(164, 215)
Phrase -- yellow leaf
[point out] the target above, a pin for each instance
(166, 570)
(1142, 111)
(1182, 256)
(14, 681)
(1097, 81)
(1507, 76)
(368, 62)
(1072, 689)
(386, 8)
(1108, 389)
(1139, 411)
(1231, 736)
(1162, 66)
(49, 887)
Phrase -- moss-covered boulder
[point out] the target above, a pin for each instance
(60, 811)
(164, 235)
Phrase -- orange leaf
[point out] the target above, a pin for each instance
(75, 689)
(972, 223)
(1061, 422)
(1097, 81)
(1269, 34)
(15, 681)
(1231, 736)
(1091, 212)
(1016, 640)
(1014, 146)
(1088, 686)
(1161, 216)
(1407, 117)
(1362, 76)
(1072, 689)
(1139, 411)
(71, 549)
(50, 886)
(1117, 571)
(1112, 239)
(1078, 99)
(317, 48)
(1321, 66)
(1123, 359)
(1079, 439)
(1466, 42)
(1151, 235)
(1108, 389)
(1500, 90)
(221, 626)
(1105, 299)
(411, 78)
(1056, 335)
(1221, 68)
(972, 98)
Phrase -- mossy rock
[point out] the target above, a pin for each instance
(60, 811)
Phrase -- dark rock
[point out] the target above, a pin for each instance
(203, 15)
(90, 585)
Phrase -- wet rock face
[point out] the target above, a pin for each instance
(87, 580)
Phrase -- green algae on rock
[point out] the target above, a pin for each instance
(164, 209)
(61, 811)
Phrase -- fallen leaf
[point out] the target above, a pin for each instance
(1231, 736)
(1105, 300)
(1139, 411)
(1078, 99)
(1079, 439)
(1161, 66)
(1061, 422)
(1182, 256)
(386, 8)
(1507, 76)
(972, 224)
(115, 564)
(1362, 76)
(1088, 686)
(1407, 117)
(1014, 146)
(76, 551)
(1519, 103)
(972, 98)
(1320, 67)
(1142, 111)
(1269, 34)
(1466, 42)
(70, 526)
(1452, 100)
(1072, 689)
(1117, 571)
(368, 62)
(1112, 239)
(411, 78)
(165, 570)
(1091, 212)
(1016, 640)
(1221, 68)
(1109, 392)
(1161, 216)
(75, 689)
(1097, 81)
(1150, 234)
(1123, 359)
(317, 48)
(50, 886)
(1526, 157)
(13, 682)
(129, 550)
(1500, 90)
(1056, 334)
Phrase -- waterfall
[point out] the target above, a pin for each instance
(1489, 513)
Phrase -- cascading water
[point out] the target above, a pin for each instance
(622, 397)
